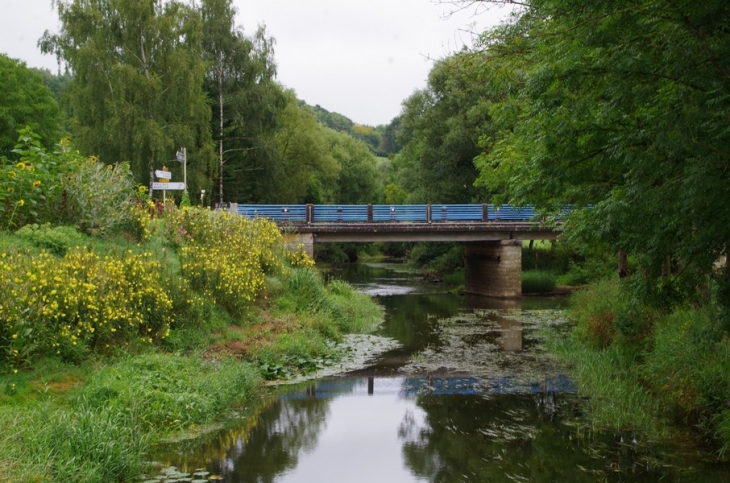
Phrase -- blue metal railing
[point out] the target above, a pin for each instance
(457, 212)
(278, 213)
(340, 213)
(392, 213)
(512, 213)
(399, 213)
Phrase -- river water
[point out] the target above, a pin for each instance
(470, 394)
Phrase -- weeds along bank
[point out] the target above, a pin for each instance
(108, 344)
(648, 370)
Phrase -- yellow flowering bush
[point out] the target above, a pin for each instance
(226, 256)
(80, 302)
(299, 257)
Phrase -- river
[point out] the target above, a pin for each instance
(470, 394)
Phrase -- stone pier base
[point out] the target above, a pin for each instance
(493, 268)
(306, 240)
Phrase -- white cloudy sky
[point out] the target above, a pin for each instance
(359, 58)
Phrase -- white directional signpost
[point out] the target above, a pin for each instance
(168, 186)
(163, 174)
(165, 184)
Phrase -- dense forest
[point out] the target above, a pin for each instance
(620, 109)
(144, 78)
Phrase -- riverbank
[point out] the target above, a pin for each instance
(106, 373)
(650, 373)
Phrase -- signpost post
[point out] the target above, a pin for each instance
(182, 156)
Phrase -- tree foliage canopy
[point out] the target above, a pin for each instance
(624, 105)
(137, 93)
(25, 101)
(440, 129)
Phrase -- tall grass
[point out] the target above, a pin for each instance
(167, 392)
(50, 443)
(689, 370)
(342, 307)
(644, 368)
(323, 313)
(618, 399)
(535, 281)
(104, 431)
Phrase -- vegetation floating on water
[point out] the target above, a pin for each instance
(497, 345)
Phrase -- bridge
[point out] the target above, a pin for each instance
(492, 234)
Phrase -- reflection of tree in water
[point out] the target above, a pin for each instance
(493, 438)
(282, 433)
(412, 319)
(519, 437)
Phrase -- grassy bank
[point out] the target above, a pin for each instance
(110, 344)
(648, 370)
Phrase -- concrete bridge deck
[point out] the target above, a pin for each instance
(425, 232)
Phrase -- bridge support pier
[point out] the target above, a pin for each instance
(493, 268)
(306, 240)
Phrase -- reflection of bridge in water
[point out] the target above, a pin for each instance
(433, 385)
(492, 234)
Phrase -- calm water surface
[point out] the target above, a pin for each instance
(471, 395)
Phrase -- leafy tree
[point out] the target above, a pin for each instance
(439, 130)
(624, 105)
(56, 83)
(333, 120)
(138, 74)
(390, 141)
(240, 79)
(25, 101)
(370, 136)
(358, 181)
(306, 171)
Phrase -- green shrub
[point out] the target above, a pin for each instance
(689, 366)
(455, 278)
(57, 240)
(30, 189)
(335, 253)
(351, 311)
(99, 197)
(534, 281)
(594, 310)
(547, 256)
(440, 257)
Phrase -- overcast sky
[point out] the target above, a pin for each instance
(359, 58)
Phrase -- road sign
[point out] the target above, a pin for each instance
(163, 174)
(168, 186)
